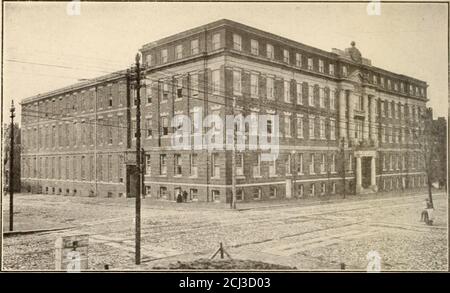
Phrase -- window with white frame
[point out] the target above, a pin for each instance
(273, 167)
(216, 41)
(287, 125)
(333, 164)
(300, 190)
(321, 66)
(254, 86)
(311, 165)
(164, 56)
(322, 127)
(149, 60)
(332, 129)
(257, 167)
(311, 126)
(288, 164)
(323, 188)
(350, 162)
(395, 86)
(331, 69)
(299, 125)
(299, 93)
(193, 165)
(148, 127)
(333, 187)
(321, 97)
(382, 81)
(179, 83)
(270, 51)
(254, 47)
(215, 164)
(285, 56)
(256, 193)
(240, 164)
(299, 163)
(164, 126)
(194, 47)
(270, 88)
(165, 90)
(194, 84)
(322, 163)
(311, 96)
(237, 42)
(298, 59)
(179, 51)
(287, 91)
(310, 64)
(163, 164)
(273, 192)
(344, 71)
(332, 99)
(215, 74)
(237, 82)
(375, 79)
(177, 165)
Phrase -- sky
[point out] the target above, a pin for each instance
(45, 48)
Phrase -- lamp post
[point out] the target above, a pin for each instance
(11, 164)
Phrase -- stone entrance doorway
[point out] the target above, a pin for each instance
(365, 172)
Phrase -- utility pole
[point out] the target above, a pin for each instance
(233, 162)
(11, 165)
(138, 163)
(343, 165)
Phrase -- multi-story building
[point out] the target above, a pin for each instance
(344, 125)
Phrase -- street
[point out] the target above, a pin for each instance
(313, 236)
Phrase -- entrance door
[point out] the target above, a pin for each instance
(365, 172)
(177, 192)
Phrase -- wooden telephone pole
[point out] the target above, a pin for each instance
(11, 166)
(138, 164)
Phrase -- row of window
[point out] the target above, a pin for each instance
(391, 162)
(110, 168)
(399, 183)
(399, 135)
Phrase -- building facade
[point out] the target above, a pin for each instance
(342, 125)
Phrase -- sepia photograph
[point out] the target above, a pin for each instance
(224, 137)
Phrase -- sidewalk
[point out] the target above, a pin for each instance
(305, 201)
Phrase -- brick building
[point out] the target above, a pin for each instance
(344, 125)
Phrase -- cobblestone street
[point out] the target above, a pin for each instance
(306, 236)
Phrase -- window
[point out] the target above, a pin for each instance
(270, 88)
(148, 93)
(299, 93)
(333, 164)
(350, 162)
(310, 64)
(285, 56)
(215, 82)
(194, 194)
(321, 98)
(257, 168)
(215, 164)
(300, 190)
(257, 193)
(312, 190)
(254, 47)
(311, 165)
(164, 56)
(298, 59)
(273, 167)
(270, 53)
(177, 165)
(179, 51)
(164, 126)
(237, 42)
(321, 66)
(358, 128)
(165, 91)
(287, 126)
(254, 85)
(287, 91)
(237, 82)
(332, 129)
(216, 41)
(149, 60)
(163, 192)
(323, 188)
(148, 165)
(311, 126)
(332, 94)
(272, 192)
(395, 86)
(179, 83)
(193, 165)
(299, 163)
(163, 164)
(359, 103)
(311, 96)
(288, 164)
(322, 127)
(194, 47)
(344, 71)
(299, 125)
(240, 164)
(331, 69)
